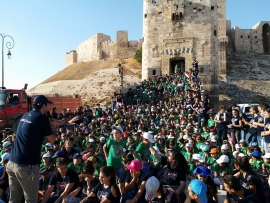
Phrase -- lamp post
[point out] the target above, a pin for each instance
(9, 45)
(121, 72)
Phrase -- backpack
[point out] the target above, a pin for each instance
(265, 187)
(169, 194)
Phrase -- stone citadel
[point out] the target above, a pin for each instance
(175, 31)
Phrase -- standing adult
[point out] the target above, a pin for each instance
(222, 119)
(23, 167)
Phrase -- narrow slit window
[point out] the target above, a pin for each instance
(154, 72)
(145, 15)
(212, 8)
(215, 33)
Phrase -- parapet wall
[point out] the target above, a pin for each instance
(255, 40)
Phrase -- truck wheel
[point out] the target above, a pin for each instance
(15, 125)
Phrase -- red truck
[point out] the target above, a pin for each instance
(15, 103)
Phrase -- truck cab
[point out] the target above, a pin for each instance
(13, 104)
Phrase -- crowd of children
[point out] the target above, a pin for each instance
(153, 141)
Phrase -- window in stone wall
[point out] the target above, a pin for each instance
(145, 15)
(248, 36)
(215, 33)
(241, 36)
(255, 37)
(154, 72)
(212, 8)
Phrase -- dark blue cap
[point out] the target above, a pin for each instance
(59, 154)
(41, 100)
(202, 170)
(256, 154)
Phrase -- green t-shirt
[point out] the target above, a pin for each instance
(143, 151)
(211, 161)
(115, 152)
(51, 166)
(257, 164)
(78, 168)
(221, 171)
(188, 157)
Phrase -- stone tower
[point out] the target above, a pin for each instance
(175, 31)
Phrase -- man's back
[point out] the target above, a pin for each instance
(29, 136)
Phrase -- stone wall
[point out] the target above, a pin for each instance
(100, 47)
(247, 79)
(256, 39)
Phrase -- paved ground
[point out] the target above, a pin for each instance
(221, 196)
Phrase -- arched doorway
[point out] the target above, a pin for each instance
(177, 65)
(266, 38)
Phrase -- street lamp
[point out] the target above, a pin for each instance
(9, 44)
(121, 72)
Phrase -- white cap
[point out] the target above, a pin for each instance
(119, 128)
(5, 157)
(266, 156)
(237, 146)
(185, 137)
(155, 136)
(91, 140)
(189, 145)
(49, 145)
(213, 140)
(151, 188)
(177, 125)
(170, 137)
(235, 152)
(223, 159)
(148, 137)
(102, 138)
(150, 132)
(197, 157)
(241, 155)
(242, 140)
(160, 137)
(6, 144)
(46, 155)
(224, 147)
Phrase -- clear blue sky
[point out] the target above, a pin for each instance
(44, 30)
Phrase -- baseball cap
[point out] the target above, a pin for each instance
(49, 145)
(92, 159)
(87, 155)
(41, 100)
(59, 154)
(189, 145)
(119, 128)
(151, 188)
(223, 159)
(199, 188)
(43, 170)
(214, 151)
(224, 147)
(185, 137)
(266, 156)
(102, 139)
(202, 170)
(148, 137)
(205, 148)
(254, 144)
(6, 144)
(237, 146)
(197, 157)
(256, 154)
(235, 152)
(46, 155)
(170, 137)
(5, 157)
(242, 140)
(76, 155)
(91, 140)
(135, 165)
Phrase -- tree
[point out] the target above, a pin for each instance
(138, 55)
